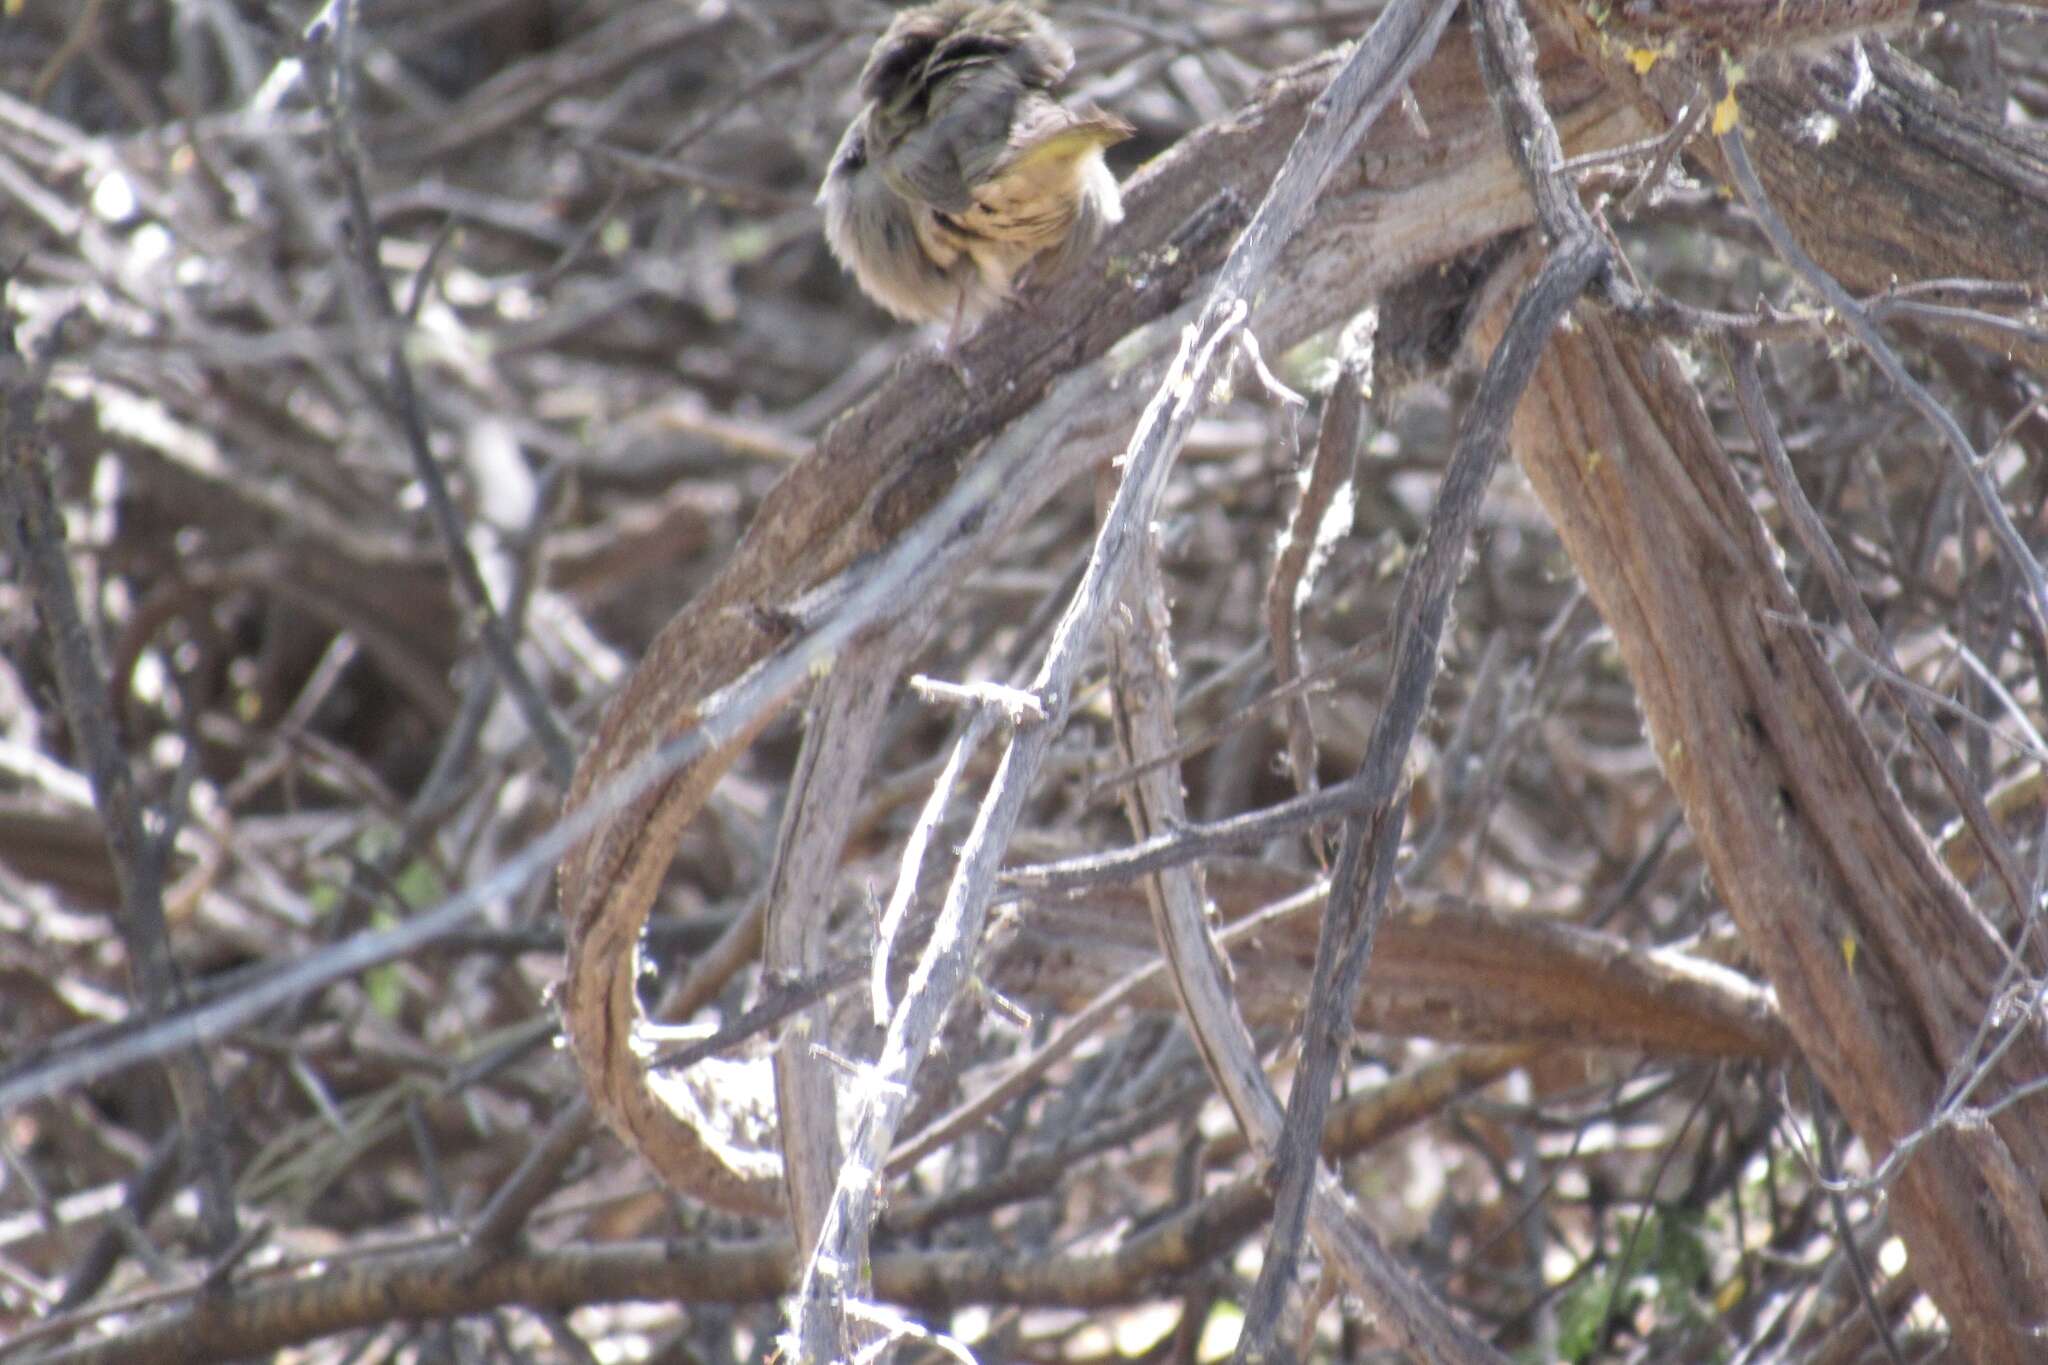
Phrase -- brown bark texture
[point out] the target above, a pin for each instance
(475, 575)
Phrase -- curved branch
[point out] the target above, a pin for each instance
(885, 465)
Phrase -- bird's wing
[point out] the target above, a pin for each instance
(956, 140)
(949, 83)
(1031, 195)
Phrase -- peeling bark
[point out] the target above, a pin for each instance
(1881, 964)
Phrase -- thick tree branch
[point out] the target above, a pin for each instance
(1881, 965)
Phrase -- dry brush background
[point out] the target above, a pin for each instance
(321, 339)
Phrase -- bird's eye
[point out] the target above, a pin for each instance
(853, 158)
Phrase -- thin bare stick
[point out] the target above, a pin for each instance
(1329, 472)
(32, 533)
(1976, 474)
(984, 502)
(836, 1273)
(1195, 962)
(1185, 845)
(912, 862)
(1834, 571)
(535, 1177)
(1371, 833)
(333, 86)
(1399, 41)
(1077, 1029)
(839, 745)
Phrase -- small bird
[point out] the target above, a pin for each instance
(962, 169)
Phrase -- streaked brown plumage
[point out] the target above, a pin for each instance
(962, 169)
